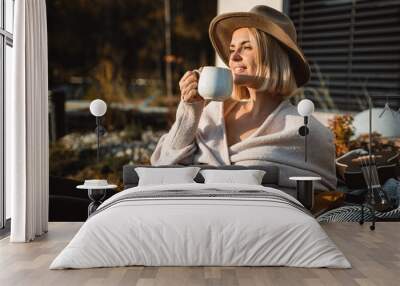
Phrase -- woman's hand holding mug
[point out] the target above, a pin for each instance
(188, 86)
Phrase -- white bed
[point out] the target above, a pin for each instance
(251, 225)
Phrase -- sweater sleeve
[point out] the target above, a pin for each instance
(178, 145)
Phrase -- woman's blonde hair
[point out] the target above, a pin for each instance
(273, 66)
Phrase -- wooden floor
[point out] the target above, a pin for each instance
(375, 256)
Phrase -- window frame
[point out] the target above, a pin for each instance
(6, 39)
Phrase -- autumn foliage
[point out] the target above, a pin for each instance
(342, 127)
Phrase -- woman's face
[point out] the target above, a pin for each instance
(242, 58)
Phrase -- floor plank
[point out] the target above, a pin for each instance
(375, 257)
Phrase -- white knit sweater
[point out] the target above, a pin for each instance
(198, 136)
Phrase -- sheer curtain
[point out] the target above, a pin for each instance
(27, 124)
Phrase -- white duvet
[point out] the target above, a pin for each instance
(183, 231)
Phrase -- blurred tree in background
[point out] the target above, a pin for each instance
(115, 50)
(111, 42)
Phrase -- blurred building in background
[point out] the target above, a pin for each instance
(353, 47)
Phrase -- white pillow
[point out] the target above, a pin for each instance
(249, 177)
(162, 176)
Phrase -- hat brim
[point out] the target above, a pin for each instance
(222, 27)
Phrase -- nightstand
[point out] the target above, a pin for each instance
(96, 195)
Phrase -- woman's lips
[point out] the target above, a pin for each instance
(239, 69)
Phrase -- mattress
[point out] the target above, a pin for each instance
(201, 225)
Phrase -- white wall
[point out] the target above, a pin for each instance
(227, 6)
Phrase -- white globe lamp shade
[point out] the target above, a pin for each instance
(305, 107)
(98, 107)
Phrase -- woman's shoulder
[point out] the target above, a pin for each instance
(288, 107)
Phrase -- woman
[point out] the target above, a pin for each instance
(258, 125)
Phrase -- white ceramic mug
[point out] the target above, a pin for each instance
(215, 83)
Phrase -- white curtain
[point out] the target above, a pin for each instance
(27, 124)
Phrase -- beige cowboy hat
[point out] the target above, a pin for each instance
(268, 20)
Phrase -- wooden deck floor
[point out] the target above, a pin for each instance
(375, 256)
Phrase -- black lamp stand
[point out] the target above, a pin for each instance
(305, 189)
(100, 131)
(304, 131)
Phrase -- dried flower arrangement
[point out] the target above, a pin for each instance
(342, 128)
